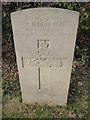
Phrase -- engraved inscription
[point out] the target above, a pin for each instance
(42, 25)
(43, 60)
(47, 62)
(43, 49)
(44, 22)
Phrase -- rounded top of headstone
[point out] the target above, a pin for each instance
(46, 9)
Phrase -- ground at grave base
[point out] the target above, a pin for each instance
(80, 80)
(77, 101)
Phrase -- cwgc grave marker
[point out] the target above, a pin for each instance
(44, 41)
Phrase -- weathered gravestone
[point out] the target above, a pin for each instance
(44, 41)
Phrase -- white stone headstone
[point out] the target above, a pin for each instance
(44, 41)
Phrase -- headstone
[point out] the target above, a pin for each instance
(44, 41)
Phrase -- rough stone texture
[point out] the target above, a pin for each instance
(44, 42)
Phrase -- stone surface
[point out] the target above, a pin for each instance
(44, 41)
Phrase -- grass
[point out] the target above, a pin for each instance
(78, 94)
(77, 106)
